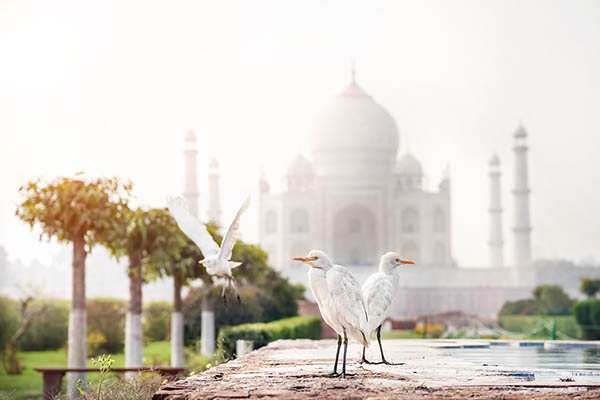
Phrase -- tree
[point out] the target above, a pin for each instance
(552, 300)
(589, 287)
(11, 363)
(81, 212)
(143, 235)
(177, 256)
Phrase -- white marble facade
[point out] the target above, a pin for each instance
(353, 197)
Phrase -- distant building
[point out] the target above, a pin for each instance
(353, 198)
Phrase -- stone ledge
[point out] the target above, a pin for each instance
(296, 368)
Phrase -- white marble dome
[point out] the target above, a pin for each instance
(353, 134)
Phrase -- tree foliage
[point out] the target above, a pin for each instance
(589, 286)
(552, 300)
(69, 208)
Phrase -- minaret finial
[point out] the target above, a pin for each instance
(353, 70)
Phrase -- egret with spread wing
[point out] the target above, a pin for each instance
(340, 301)
(378, 292)
(216, 259)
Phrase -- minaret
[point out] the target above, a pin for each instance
(521, 227)
(190, 193)
(190, 183)
(214, 195)
(495, 211)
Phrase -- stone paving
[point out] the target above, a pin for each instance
(296, 369)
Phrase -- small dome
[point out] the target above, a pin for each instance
(190, 136)
(300, 166)
(409, 165)
(213, 163)
(520, 132)
(495, 160)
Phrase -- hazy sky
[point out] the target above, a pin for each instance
(110, 88)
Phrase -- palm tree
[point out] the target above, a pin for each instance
(146, 237)
(82, 213)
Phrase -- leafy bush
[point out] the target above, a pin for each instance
(95, 342)
(156, 320)
(48, 330)
(263, 333)
(432, 330)
(107, 317)
(519, 307)
(587, 315)
(9, 320)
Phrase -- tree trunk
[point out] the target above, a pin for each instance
(177, 323)
(133, 322)
(77, 317)
(208, 325)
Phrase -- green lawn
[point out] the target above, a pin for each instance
(404, 334)
(28, 385)
(532, 326)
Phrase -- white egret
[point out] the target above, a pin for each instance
(216, 259)
(340, 302)
(378, 292)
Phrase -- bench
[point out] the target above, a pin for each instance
(53, 376)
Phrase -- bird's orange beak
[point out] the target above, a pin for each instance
(304, 259)
(404, 261)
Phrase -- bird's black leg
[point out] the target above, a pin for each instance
(234, 283)
(383, 360)
(335, 374)
(224, 296)
(364, 358)
(344, 360)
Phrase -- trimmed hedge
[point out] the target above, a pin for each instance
(587, 315)
(263, 333)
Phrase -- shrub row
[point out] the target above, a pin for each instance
(263, 333)
(105, 324)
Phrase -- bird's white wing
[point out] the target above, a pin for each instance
(318, 285)
(192, 227)
(349, 303)
(232, 233)
(378, 293)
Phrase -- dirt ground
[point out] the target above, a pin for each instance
(296, 369)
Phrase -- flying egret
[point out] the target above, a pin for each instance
(216, 259)
(378, 292)
(340, 302)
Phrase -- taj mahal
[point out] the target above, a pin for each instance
(355, 197)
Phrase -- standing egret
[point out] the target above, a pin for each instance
(378, 292)
(216, 259)
(340, 302)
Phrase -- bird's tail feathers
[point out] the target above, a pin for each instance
(235, 264)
